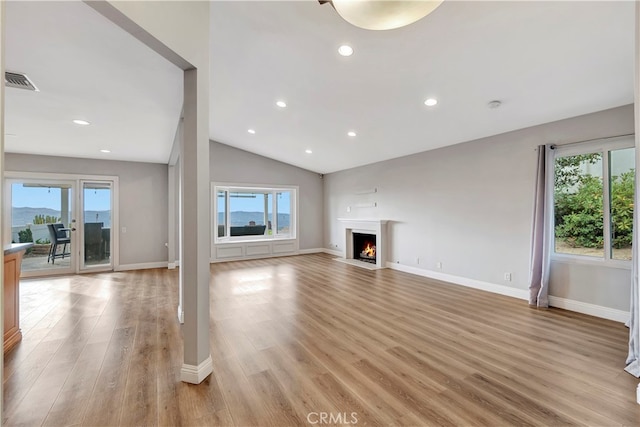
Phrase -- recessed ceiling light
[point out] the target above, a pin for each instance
(81, 122)
(430, 102)
(105, 151)
(494, 104)
(281, 104)
(251, 131)
(308, 151)
(345, 50)
(351, 133)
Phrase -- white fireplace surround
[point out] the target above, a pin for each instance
(377, 227)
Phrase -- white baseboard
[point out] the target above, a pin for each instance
(566, 304)
(332, 252)
(252, 257)
(265, 256)
(180, 315)
(590, 309)
(310, 251)
(464, 281)
(172, 265)
(196, 374)
(141, 266)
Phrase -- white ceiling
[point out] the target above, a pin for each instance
(544, 60)
(87, 68)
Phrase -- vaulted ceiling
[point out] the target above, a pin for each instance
(544, 61)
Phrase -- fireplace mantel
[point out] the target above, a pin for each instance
(378, 227)
(380, 221)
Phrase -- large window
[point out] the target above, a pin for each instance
(247, 213)
(593, 199)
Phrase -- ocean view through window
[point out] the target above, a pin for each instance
(247, 213)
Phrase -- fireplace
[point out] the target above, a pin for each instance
(364, 247)
(359, 232)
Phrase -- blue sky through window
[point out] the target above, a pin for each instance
(49, 197)
(250, 204)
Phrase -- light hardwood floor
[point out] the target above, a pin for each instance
(295, 337)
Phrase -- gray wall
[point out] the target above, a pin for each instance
(469, 206)
(143, 199)
(230, 164)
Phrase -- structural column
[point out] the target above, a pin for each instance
(2, 19)
(195, 226)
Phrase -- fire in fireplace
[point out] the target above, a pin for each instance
(364, 247)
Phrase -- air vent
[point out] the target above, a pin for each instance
(19, 81)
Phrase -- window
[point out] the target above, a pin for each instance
(247, 213)
(593, 199)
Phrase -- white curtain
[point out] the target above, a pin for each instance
(633, 363)
(633, 359)
(540, 255)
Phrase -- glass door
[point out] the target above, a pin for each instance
(41, 212)
(96, 226)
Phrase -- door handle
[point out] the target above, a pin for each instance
(73, 229)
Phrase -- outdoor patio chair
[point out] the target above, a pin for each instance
(93, 241)
(58, 236)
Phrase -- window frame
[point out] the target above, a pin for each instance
(603, 147)
(266, 189)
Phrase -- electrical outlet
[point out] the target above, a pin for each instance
(507, 277)
(439, 265)
(417, 260)
(348, 208)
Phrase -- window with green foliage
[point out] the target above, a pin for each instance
(593, 200)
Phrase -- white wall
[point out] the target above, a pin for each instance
(233, 165)
(469, 206)
(143, 199)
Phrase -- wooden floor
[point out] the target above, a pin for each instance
(297, 339)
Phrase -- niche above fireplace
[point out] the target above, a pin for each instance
(376, 231)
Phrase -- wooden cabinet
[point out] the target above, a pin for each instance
(12, 263)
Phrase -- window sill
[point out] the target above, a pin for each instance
(593, 261)
(253, 240)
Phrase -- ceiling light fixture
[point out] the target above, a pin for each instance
(81, 122)
(105, 151)
(308, 151)
(384, 14)
(281, 104)
(351, 133)
(251, 131)
(494, 104)
(430, 102)
(345, 50)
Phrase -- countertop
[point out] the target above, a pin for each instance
(16, 247)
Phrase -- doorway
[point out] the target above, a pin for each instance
(69, 222)
(96, 214)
